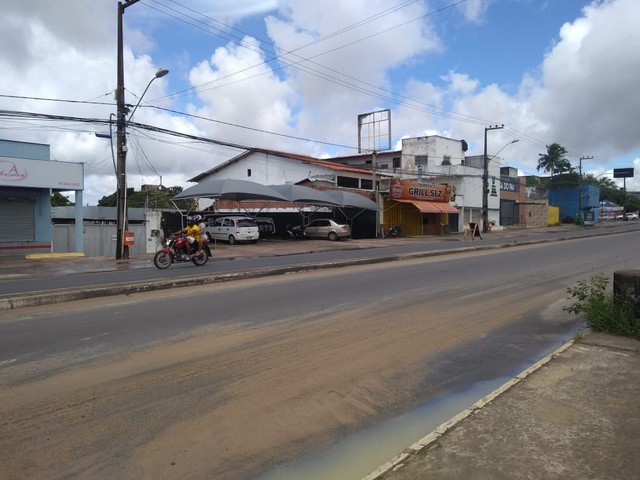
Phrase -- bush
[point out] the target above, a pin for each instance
(604, 312)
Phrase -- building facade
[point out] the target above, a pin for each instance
(27, 179)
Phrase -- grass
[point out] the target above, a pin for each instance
(604, 312)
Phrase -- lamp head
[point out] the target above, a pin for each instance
(161, 73)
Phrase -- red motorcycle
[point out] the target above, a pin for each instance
(177, 250)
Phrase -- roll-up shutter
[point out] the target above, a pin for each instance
(17, 220)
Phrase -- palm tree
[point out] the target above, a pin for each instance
(555, 160)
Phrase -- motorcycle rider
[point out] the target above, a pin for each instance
(192, 231)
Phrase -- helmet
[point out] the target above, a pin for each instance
(189, 219)
(198, 218)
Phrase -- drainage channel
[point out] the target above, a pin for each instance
(357, 455)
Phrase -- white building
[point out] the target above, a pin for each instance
(425, 164)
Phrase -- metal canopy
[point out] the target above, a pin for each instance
(230, 189)
(301, 194)
(352, 200)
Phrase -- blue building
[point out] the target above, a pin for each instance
(27, 178)
(566, 198)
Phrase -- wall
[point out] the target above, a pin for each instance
(99, 239)
(565, 197)
(269, 169)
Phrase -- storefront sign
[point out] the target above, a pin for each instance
(416, 190)
(21, 172)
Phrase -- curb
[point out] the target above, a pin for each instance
(441, 430)
(69, 295)
(44, 256)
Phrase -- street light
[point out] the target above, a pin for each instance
(505, 146)
(159, 74)
(485, 178)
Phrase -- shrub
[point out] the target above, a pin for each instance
(604, 312)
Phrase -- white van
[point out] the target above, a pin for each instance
(233, 229)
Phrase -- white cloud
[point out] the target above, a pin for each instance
(581, 93)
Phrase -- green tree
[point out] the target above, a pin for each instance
(59, 200)
(150, 199)
(555, 161)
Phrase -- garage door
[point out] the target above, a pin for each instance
(17, 220)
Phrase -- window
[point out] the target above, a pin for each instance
(396, 162)
(366, 184)
(348, 182)
(248, 172)
(446, 160)
(384, 166)
(421, 160)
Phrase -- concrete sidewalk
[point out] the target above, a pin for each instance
(573, 415)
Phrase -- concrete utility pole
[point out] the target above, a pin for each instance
(122, 250)
(485, 181)
(580, 189)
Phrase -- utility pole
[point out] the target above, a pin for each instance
(485, 180)
(122, 250)
(374, 161)
(580, 189)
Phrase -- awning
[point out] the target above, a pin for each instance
(431, 207)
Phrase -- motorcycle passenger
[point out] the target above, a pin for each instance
(199, 219)
(192, 231)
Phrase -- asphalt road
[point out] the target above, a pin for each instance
(224, 381)
(219, 266)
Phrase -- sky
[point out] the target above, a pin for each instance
(294, 75)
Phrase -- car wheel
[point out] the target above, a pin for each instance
(333, 236)
(208, 236)
(232, 240)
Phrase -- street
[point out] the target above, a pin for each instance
(227, 380)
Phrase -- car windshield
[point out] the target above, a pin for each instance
(247, 222)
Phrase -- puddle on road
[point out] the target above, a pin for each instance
(358, 455)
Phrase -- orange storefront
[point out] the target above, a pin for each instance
(420, 208)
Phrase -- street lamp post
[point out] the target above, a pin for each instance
(485, 181)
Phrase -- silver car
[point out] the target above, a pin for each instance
(233, 229)
(325, 228)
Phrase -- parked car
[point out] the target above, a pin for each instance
(326, 228)
(234, 229)
(628, 216)
(266, 226)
